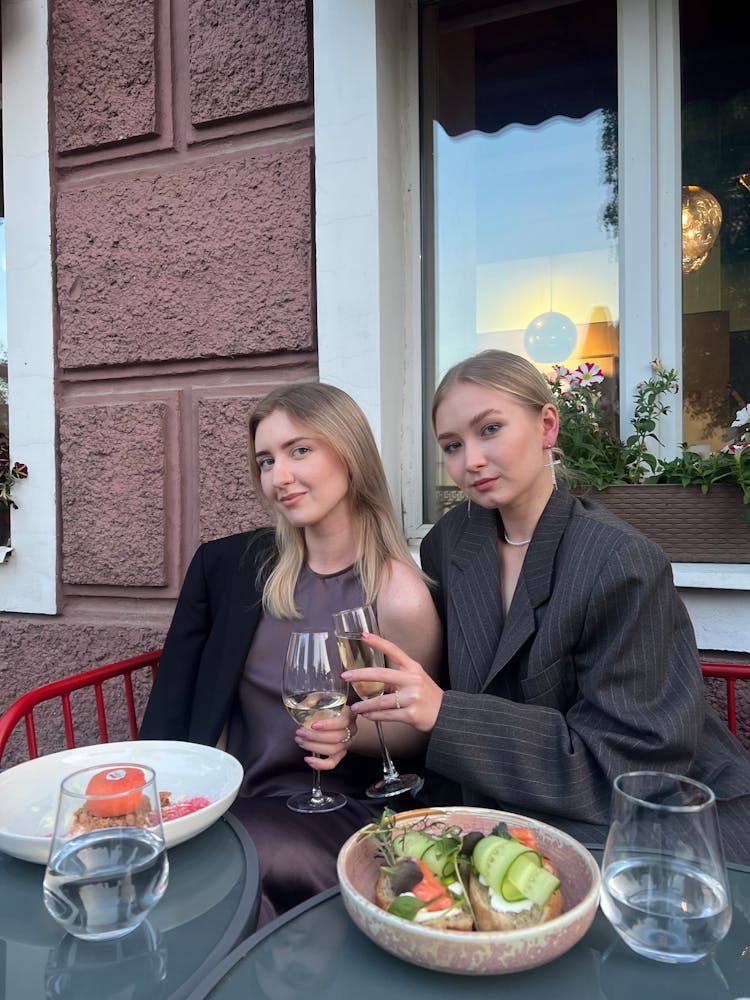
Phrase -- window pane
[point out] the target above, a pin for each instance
(716, 159)
(519, 143)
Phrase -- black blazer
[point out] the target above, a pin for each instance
(207, 644)
(594, 672)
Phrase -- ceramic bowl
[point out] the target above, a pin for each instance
(477, 953)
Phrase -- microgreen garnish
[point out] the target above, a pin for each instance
(449, 844)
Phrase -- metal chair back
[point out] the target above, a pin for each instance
(23, 708)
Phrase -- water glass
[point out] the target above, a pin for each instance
(664, 882)
(108, 864)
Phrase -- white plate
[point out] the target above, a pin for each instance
(28, 791)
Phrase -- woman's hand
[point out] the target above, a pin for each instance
(411, 695)
(330, 737)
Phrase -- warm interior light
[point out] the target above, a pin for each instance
(701, 220)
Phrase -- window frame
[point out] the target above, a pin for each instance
(28, 577)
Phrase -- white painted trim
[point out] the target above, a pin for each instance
(636, 62)
(367, 223)
(28, 579)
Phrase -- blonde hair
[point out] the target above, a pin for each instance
(332, 415)
(501, 370)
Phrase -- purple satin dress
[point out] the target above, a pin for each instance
(297, 851)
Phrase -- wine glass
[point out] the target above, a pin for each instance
(107, 864)
(664, 883)
(312, 689)
(356, 654)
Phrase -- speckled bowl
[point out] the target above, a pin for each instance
(479, 953)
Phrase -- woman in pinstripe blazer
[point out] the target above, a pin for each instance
(570, 657)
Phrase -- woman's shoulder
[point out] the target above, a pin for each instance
(403, 588)
(600, 530)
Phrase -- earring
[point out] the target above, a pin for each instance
(551, 466)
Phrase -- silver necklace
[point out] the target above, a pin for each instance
(505, 536)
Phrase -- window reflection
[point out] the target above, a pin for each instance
(520, 224)
(716, 158)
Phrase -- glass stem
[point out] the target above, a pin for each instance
(317, 794)
(389, 771)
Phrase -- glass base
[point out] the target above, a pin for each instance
(303, 802)
(395, 786)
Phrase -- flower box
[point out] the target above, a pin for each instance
(691, 526)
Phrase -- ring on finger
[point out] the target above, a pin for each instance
(398, 703)
(348, 736)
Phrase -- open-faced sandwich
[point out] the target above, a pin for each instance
(436, 873)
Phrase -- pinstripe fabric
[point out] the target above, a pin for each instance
(594, 672)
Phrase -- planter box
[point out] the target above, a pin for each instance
(690, 526)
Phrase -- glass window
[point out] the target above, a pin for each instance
(715, 219)
(519, 141)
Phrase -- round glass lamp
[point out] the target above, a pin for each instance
(550, 337)
(701, 220)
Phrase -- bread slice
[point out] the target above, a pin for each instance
(458, 919)
(489, 919)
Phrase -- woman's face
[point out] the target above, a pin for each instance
(302, 477)
(496, 449)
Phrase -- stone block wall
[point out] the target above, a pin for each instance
(182, 178)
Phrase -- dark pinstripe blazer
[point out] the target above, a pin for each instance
(594, 672)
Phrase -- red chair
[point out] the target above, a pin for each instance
(23, 707)
(731, 672)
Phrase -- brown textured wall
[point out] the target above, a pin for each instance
(182, 190)
(240, 64)
(103, 71)
(211, 260)
(112, 463)
(227, 502)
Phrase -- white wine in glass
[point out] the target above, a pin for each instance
(312, 689)
(356, 654)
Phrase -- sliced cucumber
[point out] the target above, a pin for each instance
(494, 861)
(513, 870)
(414, 844)
(528, 879)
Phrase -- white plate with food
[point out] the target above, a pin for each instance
(202, 782)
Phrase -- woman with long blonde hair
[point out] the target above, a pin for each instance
(336, 544)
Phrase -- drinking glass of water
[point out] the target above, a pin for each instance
(107, 865)
(664, 883)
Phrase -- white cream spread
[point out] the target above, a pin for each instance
(503, 905)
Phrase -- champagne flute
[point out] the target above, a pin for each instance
(664, 883)
(312, 689)
(355, 654)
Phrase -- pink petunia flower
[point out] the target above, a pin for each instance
(743, 417)
(589, 373)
